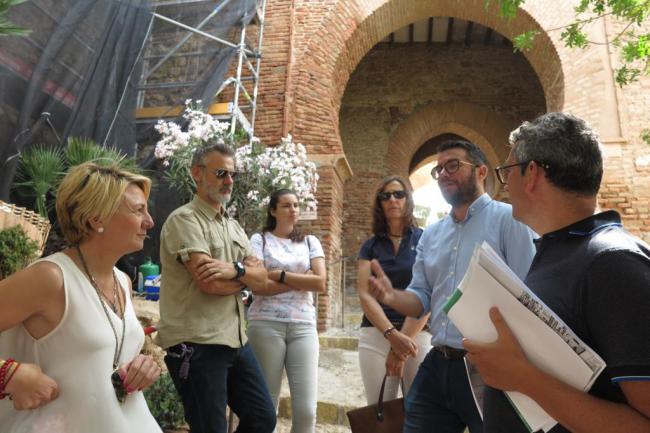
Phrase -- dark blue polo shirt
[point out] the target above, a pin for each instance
(398, 267)
(596, 277)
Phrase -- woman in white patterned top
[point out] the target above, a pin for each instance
(282, 318)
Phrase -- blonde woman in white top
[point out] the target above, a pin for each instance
(282, 318)
(71, 313)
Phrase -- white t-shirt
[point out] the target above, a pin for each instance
(295, 306)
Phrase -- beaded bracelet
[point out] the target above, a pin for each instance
(4, 369)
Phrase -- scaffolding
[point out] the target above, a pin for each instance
(231, 33)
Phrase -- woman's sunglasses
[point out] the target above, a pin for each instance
(386, 195)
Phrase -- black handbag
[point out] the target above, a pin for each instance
(383, 417)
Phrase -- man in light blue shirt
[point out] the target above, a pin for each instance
(440, 398)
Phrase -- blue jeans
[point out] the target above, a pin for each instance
(440, 399)
(220, 375)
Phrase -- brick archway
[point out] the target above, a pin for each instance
(329, 57)
(325, 56)
(485, 128)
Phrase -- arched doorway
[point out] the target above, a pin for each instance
(324, 64)
(405, 97)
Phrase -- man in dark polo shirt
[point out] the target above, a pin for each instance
(589, 270)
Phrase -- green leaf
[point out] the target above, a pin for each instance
(525, 41)
(80, 150)
(645, 136)
(626, 75)
(17, 250)
(40, 171)
(573, 36)
(6, 27)
(507, 8)
(637, 49)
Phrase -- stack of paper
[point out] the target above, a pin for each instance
(545, 339)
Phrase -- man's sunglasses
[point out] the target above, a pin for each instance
(386, 195)
(222, 173)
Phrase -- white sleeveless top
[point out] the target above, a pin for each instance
(78, 355)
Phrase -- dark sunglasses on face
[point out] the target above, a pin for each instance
(386, 195)
(222, 173)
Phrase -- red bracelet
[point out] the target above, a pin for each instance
(5, 394)
(3, 374)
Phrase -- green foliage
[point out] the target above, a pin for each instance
(80, 150)
(164, 403)
(42, 168)
(634, 47)
(574, 37)
(39, 173)
(17, 250)
(645, 136)
(525, 41)
(6, 27)
(507, 8)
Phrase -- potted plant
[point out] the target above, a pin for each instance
(17, 250)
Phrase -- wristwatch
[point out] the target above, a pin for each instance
(240, 268)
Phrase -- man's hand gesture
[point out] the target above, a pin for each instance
(379, 285)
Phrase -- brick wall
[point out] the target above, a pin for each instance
(309, 87)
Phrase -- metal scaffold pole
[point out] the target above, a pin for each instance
(235, 98)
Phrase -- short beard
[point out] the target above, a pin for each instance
(222, 199)
(466, 193)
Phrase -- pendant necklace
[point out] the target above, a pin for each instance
(119, 343)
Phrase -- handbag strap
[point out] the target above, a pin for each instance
(380, 401)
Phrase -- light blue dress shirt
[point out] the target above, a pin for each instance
(444, 252)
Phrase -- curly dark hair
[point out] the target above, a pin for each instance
(379, 223)
(271, 222)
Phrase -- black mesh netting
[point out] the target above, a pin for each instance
(87, 65)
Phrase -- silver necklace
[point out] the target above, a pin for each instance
(118, 344)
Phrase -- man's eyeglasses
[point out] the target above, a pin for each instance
(451, 167)
(386, 195)
(503, 171)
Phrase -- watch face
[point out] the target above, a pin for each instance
(239, 267)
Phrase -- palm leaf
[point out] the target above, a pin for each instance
(80, 150)
(113, 156)
(6, 27)
(40, 171)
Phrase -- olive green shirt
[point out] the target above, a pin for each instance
(186, 313)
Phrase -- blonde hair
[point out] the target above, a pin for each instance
(91, 191)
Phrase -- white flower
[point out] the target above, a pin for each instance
(263, 169)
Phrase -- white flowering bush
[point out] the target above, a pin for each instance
(262, 169)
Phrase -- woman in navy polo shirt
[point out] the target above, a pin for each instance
(390, 343)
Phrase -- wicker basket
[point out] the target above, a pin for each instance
(36, 227)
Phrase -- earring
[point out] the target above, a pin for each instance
(100, 230)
